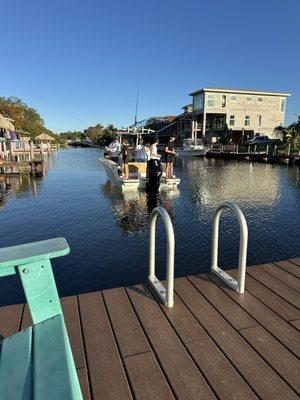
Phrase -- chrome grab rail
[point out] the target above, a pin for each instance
(167, 296)
(238, 285)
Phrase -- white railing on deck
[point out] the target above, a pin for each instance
(238, 285)
(166, 295)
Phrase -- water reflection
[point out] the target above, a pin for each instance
(14, 185)
(212, 181)
(131, 209)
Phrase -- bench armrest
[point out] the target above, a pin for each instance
(31, 252)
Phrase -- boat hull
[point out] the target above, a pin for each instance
(190, 153)
(139, 182)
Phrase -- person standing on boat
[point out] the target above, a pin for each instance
(125, 157)
(170, 154)
(147, 151)
(140, 152)
(153, 151)
(114, 150)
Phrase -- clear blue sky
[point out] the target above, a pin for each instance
(79, 62)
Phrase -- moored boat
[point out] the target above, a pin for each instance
(137, 175)
(191, 148)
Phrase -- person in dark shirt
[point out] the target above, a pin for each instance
(170, 154)
(125, 157)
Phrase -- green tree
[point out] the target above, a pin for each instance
(94, 132)
(25, 118)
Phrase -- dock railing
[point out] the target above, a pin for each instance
(166, 295)
(239, 285)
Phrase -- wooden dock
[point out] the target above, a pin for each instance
(213, 344)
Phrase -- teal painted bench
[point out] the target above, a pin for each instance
(37, 363)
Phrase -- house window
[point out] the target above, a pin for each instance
(223, 100)
(232, 97)
(259, 119)
(232, 120)
(260, 99)
(247, 120)
(248, 98)
(210, 100)
(198, 102)
(282, 105)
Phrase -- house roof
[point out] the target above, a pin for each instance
(5, 123)
(188, 105)
(44, 136)
(246, 91)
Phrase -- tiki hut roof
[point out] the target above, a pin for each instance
(5, 123)
(43, 136)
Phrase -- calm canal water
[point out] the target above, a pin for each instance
(108, 231)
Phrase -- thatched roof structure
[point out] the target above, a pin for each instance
(6, 124)
(44, 137)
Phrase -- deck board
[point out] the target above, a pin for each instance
(283, 276)
(283, 290)
(285, 363)
(258, 374)
(223, 377)
(10, 320)
(230, 310)
(184, 377)
(147, 380)
(129, 334)
(279, 328)
(213, 344)
(107, 376)
(290, 266)
(280, 306)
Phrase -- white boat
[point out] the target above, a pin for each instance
(137, 175)
(192, 148)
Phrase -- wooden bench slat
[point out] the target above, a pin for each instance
(55, 375)
(188, 382)
(16, 367)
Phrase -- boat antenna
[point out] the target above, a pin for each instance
(137, 104)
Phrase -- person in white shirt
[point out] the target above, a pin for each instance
(114, 150)
(153, 151)
(140, 152)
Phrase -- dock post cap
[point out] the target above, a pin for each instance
(166, 295)
(239, 285)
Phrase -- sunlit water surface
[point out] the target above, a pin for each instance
(108, 231)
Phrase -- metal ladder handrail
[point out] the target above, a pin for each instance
(167, 296)
(238, 285)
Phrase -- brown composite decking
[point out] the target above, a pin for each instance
(213, 344)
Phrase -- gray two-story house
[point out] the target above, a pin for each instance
(241, 112)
